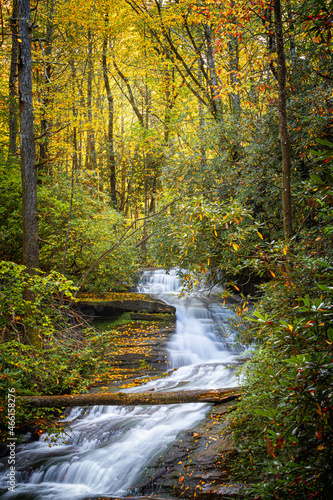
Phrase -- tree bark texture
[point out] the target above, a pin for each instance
(133, 399)
(27, 142)
(283, 124)
(111, 160)
(13, 107)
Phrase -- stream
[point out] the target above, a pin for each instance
(108, 449)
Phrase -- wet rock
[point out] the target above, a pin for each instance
(141, 353)
(154, 317)
(197, 464)
(111, 308)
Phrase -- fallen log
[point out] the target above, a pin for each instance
(132, 399)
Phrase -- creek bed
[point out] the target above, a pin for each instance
(111, 451)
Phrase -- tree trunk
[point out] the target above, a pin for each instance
(283, 124)
(133, 399)
(91, 151)
(69, 220)
(13, 108)
(271, 42)
(291, 35)
(233, 47)
(27, 142)
(28, 159)
(168, 105)
(123, 161)
(203, 156)
(216, 103)
(44, 145)
(111, 160)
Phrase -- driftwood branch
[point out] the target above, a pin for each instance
(133, 399)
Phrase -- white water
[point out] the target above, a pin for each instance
(109, 448)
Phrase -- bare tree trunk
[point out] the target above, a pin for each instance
(283, 124)
(123, 161)
(271, 44)
(291, 36)
(146, 209)
(216, 102)
(44, 145)
(75, 109)
(152, 205)
(203, 156)
(27, 149)
(69, 217)
(75, 156)
(217, 396)
(234, 69)
(111, 160)
(27, 140)
(168, 106)
(130, 97)
(91, 152)
(13, 107)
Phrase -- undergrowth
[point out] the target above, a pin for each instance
(283, 425)
(69, 352)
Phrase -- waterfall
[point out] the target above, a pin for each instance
(108, 449)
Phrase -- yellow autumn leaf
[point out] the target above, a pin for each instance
(235, 246)
(260, 235)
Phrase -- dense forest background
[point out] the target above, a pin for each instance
(175, 133)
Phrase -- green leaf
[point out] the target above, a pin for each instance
(316, 179)
(330, 334)
(326, 288)
(323, 141)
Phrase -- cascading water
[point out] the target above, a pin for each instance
(108, 448)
